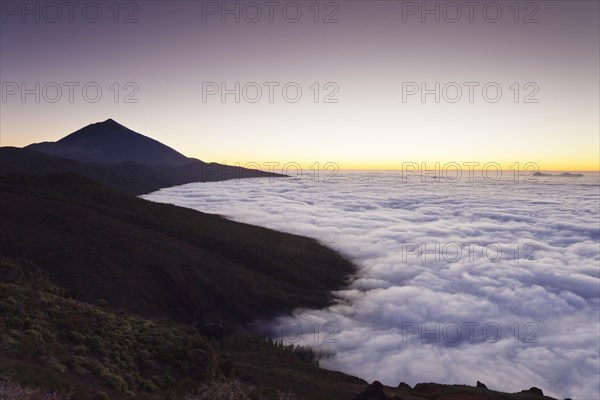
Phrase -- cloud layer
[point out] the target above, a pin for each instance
(496, 281)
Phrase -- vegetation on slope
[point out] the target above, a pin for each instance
(128, 353)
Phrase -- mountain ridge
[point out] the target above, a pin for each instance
(130, 162)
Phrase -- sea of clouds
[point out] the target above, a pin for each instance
(459, 281)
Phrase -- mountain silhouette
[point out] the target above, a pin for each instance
(109, 142)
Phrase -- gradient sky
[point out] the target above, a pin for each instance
(368, 54)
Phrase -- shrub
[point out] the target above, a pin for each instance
(114, 381)
(148, 385)
(76, 337)
(101, 396)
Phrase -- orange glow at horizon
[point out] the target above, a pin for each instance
(306, 164)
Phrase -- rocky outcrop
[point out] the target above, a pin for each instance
(373, 392)
(534, 390)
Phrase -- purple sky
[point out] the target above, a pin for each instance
(366, 61)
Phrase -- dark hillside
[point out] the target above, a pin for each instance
(158, 259)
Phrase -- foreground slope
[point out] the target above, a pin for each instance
(158, 259)
(54, 343)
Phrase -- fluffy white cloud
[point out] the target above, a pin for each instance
(458, 281)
